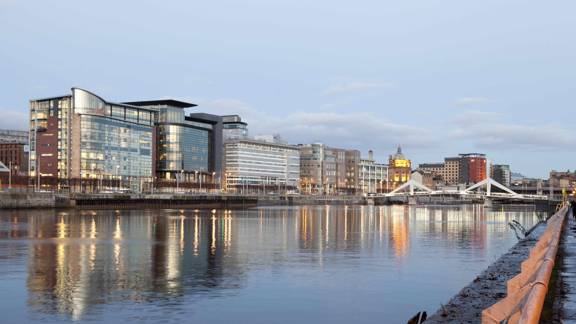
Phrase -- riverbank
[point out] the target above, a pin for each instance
(28, 200)
(32, 200)
(489, 287)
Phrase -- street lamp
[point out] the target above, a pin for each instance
(9, 175)
(200, 177)
(117, 176)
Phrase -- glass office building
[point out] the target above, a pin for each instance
(189, 148)
(83, 136)
(256, 165)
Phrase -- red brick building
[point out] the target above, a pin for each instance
(15, 155)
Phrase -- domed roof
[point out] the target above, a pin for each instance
(399, 155)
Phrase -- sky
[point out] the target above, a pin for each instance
(439, 77)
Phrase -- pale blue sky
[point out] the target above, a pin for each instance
(439, 77)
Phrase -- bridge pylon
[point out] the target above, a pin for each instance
(488, 183)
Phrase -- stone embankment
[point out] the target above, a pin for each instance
(21, 200)
(24, 200)
(489, 287)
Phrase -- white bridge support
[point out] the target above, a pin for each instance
(487, 189)
(412, 186)
(487, 184)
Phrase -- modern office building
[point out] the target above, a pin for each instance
(501, 174)
(257, 166)
(189, 148)
(317, 168)
(472, 168)
(329, 170)
(234, 127)
(351, 174)
(13, 136)
(399, 169)
(83, 136)
(373, 176)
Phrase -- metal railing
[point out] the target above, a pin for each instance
(526, 292)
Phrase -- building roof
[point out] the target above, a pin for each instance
(264, 143)
(51, 98)
(162, 102)
(399, 155)
(472, 155)
(431, 165)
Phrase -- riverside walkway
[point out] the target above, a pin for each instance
(564, 291)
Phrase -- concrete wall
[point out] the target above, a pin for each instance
(10, 200)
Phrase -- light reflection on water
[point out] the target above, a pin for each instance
(336, 264)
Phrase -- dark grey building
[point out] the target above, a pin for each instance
(234, 127)
(189, 148)
(501, 174)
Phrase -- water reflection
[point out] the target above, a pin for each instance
(77, 262)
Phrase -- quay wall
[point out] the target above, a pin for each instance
(22, 200)
(18, 200)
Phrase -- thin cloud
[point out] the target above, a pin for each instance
(476, 116)
(493, 133)
(357, 130)
(356, 86)
(469, 101)
(14, 119)
(351, 130)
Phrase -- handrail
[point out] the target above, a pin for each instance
(526, 291)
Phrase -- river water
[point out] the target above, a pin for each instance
(311, 264)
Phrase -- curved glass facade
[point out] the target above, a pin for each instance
(182, 148)
(115, 148)
(88, 103)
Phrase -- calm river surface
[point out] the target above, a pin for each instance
(316, 264)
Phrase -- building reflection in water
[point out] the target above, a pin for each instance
(78, 260)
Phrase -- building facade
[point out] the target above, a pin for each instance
(13, 136)
(15, 157)
(317, 171)
(189, 147)
(327, 170)
(399, 169)
(451, 174)
(448, 172)
(562, 179)
(83, 136)
(234, 127)
(424, 177)
(256, 166)
(14, 149)
(501, 173)
(373, 176)
(472, 168)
